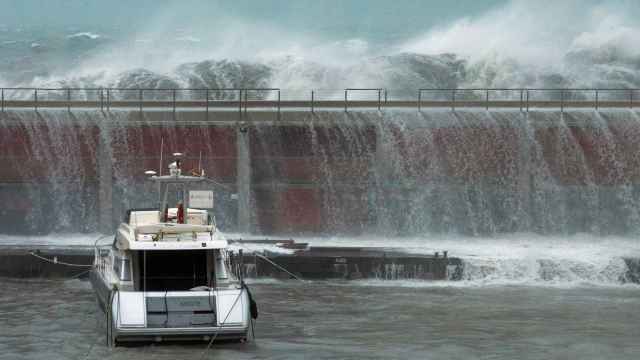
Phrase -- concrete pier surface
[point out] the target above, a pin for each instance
(308, 263)
(18, 261)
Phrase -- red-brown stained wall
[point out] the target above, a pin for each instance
(473, 153)
(138, 149)
(627, 135)
(422, 155)
(579, 155)
(320, 158)
(299, 170)
(38, 153)
(300, 211)
(146, 140)
(346, 210)
(415, 145)
(600, 161)
(322, 173)
(303, 154)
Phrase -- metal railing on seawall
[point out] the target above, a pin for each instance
(275, 99)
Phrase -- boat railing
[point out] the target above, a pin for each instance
(243, 100)
(102, 260)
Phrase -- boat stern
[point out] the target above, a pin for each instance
(180, 315)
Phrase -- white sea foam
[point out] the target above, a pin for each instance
(522, 43)
(84, 35)
(515, 259)
(187, 38)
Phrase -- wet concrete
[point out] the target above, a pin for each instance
(357, 263)
(18, 261)
(308, 263)
(324, 262)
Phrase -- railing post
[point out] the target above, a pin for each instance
(630, 98)
(487, 100)
(246, 101)
(345, 100)
(240, 101)
(419, 100)
(453, 100)
(596, 99)
(141, 103)
(278, 103)
(312, 99)
(101, 99)
(385, 97)
(561, 100)
(527, 100)
(2, 99)
(521, 98)
(207, 103)
(108, 99)
(35, 99)
(379, 99)
(68, 99)
(173, 95)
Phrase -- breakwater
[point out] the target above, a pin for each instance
(472, 172)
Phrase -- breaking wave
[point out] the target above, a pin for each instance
(511, 46)
(84, 35)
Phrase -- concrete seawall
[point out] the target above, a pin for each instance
(297, 172)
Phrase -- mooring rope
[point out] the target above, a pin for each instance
(278, 266)
(221, 324)
(240, 294)
(272, 263)
(55, 261)
(109, 316)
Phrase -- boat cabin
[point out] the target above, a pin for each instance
(177, 248)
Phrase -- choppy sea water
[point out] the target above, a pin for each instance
(323, 45)
(47, 319)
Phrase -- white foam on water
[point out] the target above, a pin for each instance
(84, 35)
(516, 259)
(414, 283)
(513, 259)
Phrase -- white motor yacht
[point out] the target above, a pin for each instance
(169, 275)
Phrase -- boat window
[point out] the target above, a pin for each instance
(221, 265)
(122, 267)
(172, 270)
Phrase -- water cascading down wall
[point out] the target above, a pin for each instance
(391, 172)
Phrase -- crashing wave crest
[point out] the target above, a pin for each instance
(512, 46)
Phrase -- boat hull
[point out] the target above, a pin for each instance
(225, 314)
